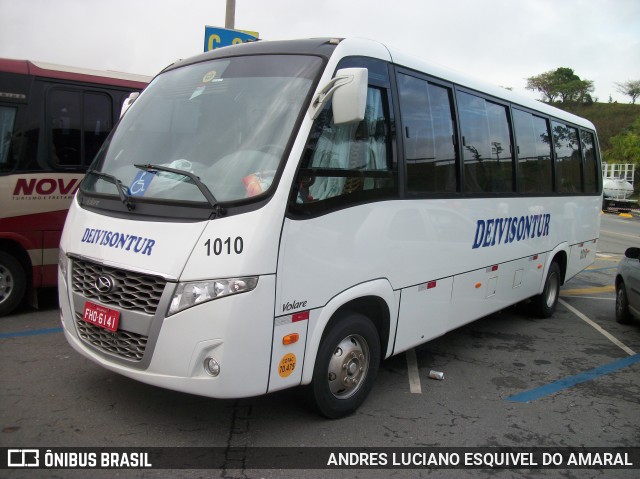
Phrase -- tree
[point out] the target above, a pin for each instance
(546, 84)
(630, 88)
(562, 84)
(625, 147)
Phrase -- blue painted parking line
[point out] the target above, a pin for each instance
(565, 383)
(33, 332)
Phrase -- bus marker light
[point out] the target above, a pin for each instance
(290, 339)
(478, 285)
(211, 366)
(431, 284)
(300, 316)
(539, 266)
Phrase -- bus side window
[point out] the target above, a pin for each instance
(535, 170)
(486, 145)
(428, 135)
(568, 162)
(65, 109)
(348, 163)
(7, 121)
(591, 173)
(96, 123)
(79, 122)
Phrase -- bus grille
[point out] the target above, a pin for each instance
(121, 343)
(132, 291)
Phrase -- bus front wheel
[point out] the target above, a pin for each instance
(346, 366)
(13, 283)
(544, 305)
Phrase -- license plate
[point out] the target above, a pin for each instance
(101, 317)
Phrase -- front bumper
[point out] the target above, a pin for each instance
(235, 330)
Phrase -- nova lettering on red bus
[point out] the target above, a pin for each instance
(46, 186)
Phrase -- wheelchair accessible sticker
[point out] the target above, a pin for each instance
(141, 182)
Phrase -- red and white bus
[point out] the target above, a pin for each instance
(53, 120)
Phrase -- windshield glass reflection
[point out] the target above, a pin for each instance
(226, 121)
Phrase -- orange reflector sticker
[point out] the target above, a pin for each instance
(290, 338)
(287, 365)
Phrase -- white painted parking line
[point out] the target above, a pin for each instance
(414, 375)
(592, 297)
(598, 328)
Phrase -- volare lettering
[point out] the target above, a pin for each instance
(497, 231)
(295, 305)
(117, 240)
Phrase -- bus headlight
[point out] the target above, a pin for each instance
(196, 292)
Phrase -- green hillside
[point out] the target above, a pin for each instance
(610, 119)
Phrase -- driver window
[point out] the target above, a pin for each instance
(348, 163)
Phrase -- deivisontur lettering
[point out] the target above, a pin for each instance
(114, 239)
(497, 231)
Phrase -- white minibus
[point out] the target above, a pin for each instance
(287, 213)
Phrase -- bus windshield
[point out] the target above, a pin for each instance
(226, 122)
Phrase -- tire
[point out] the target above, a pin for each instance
(346, 366)
(544, 305)
(13, 283)
(623, 316)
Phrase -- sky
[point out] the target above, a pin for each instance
(499, 41)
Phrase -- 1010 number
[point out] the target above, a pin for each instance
(224, 246)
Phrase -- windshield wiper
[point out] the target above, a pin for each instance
(122, 190)
(206, 192)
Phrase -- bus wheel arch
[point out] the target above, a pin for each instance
(561, 259)
(374, 308)
(545, 303)
(15, 276)
(375, 300)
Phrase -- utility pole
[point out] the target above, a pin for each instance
(230, 18)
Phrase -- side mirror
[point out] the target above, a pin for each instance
(349, 91)
(633, 253)
(128, 102)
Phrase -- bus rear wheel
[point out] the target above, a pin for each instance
(544, 305)
(346, 366)
(13, 283)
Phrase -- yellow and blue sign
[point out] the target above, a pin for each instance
(215, 37)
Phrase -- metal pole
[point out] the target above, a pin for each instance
(230, 18)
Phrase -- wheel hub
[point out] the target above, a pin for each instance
(6, 283)
(348, 366)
